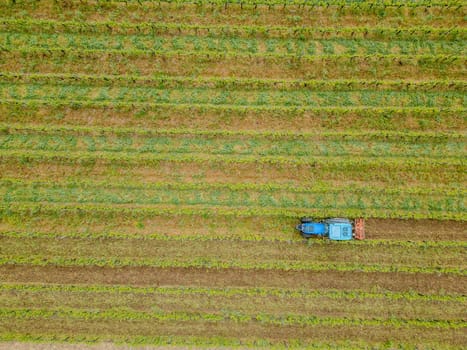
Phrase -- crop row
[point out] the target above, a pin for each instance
(354, 304)
(138, 340)
(42, 260)
(388, 136)
(337, 256)
(112, 211)
(182, 63)
(311, 188)
(247, 237)
(180, 316)
(180, 144)
(236, 118)
(454, 166)
(434, 61)
(169, 82)
(217, 197)
(234, 45)
(248, 302)
(35, 26)
(349, 295)
(239, 110)
(362, 14)
(247, 98)
(212, 263)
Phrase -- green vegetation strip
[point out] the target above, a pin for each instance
(60, 209)
(32, 25)
(202, 186)
(272, 46)
(450, 61)
(233, 291)
(200, 96)
(234, 196)
(358, 162)
(285, 111)
(247, 237)
(249, 83)
(211, 263)
(383, 135)
(237, 317)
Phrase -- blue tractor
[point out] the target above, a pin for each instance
(336, 229)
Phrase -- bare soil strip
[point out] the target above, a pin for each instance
(146, 276)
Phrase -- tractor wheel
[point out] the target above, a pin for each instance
(305, 220)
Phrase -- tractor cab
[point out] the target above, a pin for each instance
(309, 229)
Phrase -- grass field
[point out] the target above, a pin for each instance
(155, 157)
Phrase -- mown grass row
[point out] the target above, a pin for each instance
(246, 98)
(180, 291)
(236, 317)
(291, 238)
(70, 182)
(247, 301)
(453, 165)
(89, 337)
(178, 143)
(168, 82)
(233, 45)
(421, 60)
(262, 255)
(233, 118)
(44, 26)
(438, 205)
(222, 64)
(113, 211)
(338, 16)
(425, 114)
(447, 171)
(201, 13)
(389, 136)
(206, 263)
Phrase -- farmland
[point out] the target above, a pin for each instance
(155, 157)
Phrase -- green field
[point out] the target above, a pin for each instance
(155, 157)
